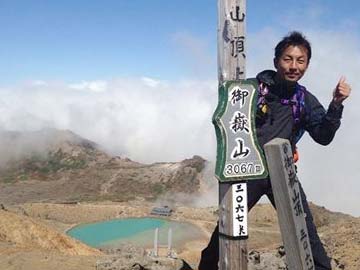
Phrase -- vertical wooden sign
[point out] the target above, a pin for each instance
(289, 207)
(239, 157)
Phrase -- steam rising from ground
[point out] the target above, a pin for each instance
(152, 120)
(208, 195)
(14, 146)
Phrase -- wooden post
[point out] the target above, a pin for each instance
(231, 66)
(231, 40)
(232, 252)
(289, 207)
(156, 245)
(170, 242)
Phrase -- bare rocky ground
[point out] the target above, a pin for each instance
(70, 181)
(32, 237)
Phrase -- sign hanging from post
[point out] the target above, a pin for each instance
(239, 154)
(239, 210)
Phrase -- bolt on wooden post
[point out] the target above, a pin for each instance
(239, 157)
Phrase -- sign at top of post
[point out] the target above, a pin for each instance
(239, 156)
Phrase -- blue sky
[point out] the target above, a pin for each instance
(139, 77)
(87, 40)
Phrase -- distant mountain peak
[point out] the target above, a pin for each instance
(60, 165)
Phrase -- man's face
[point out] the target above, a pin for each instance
(292, 64)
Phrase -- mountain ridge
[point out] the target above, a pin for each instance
(79, 170)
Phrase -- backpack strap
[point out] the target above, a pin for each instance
(261, 102)
(297, 102)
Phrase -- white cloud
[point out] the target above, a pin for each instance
(132, 118)
(151, 82)
(39, 83)
(95, 86)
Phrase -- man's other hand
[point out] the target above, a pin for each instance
(342, 91)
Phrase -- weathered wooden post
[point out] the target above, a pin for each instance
(239, 157)
(170, 242)
(289, 207)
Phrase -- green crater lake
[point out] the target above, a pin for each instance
(137, 231)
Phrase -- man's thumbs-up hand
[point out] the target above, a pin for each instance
(342, 91)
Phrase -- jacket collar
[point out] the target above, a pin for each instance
(281, 88)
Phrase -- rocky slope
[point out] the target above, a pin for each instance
(23, 232)
(69, 168)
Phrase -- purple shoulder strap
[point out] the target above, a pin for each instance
(297, 102)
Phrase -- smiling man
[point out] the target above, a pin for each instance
(292, 63)
(286, 110)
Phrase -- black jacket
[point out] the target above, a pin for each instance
(278, 122)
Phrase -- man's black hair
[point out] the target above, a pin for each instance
(292, 39)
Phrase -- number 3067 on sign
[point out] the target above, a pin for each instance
(238, 169)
